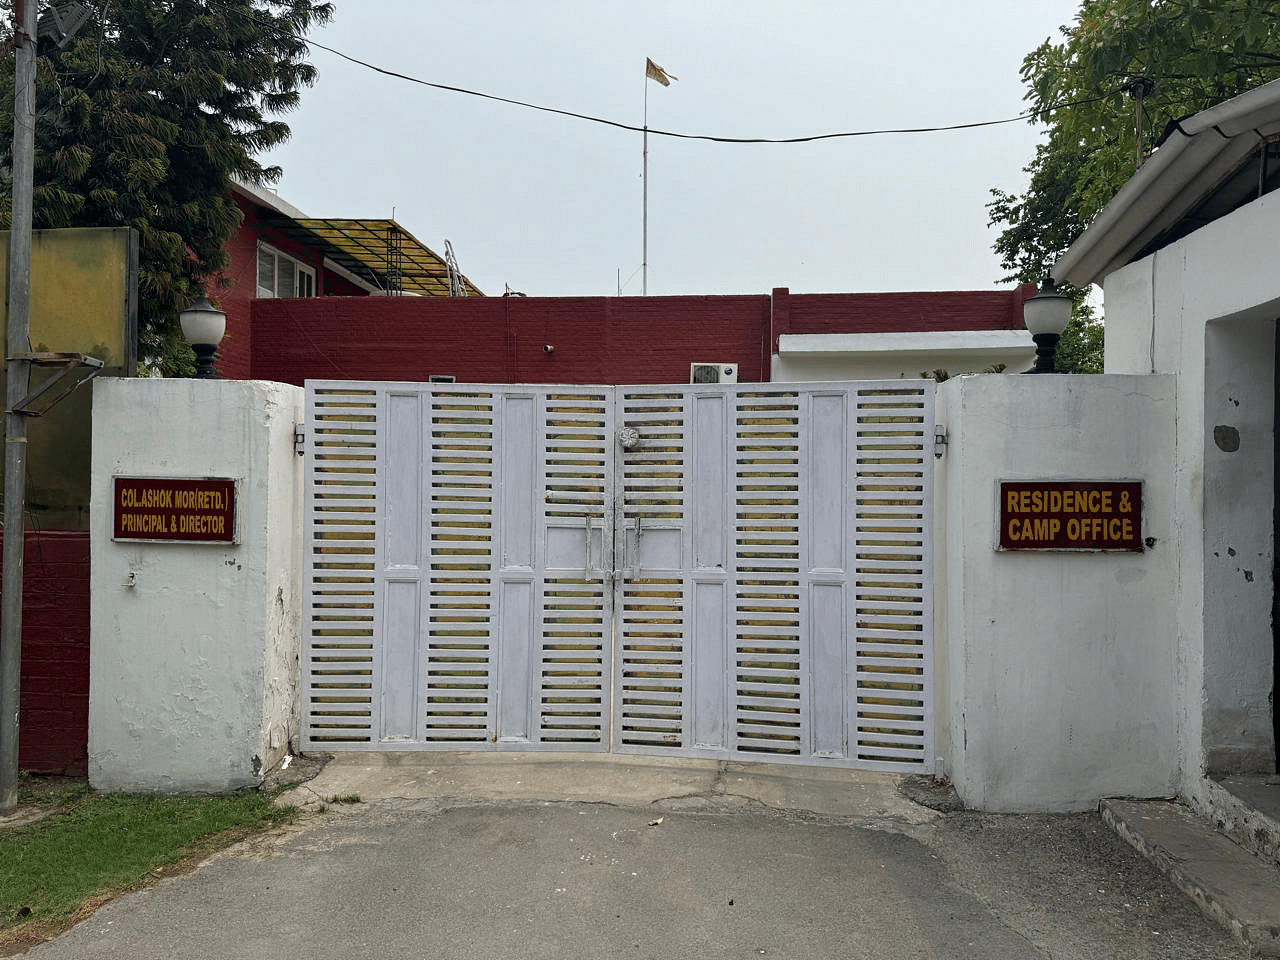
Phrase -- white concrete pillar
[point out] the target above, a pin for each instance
(1060, 668)
(194, 646)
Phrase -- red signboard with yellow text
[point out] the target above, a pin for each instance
(1071, 515)
(174, 509)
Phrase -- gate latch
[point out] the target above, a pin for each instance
(939, 440)
(299, 439)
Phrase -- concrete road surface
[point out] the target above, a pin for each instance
(484, 857)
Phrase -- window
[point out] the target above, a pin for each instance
(282, 276)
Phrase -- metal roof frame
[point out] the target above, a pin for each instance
(380, 252)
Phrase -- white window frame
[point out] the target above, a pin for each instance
(304, 277)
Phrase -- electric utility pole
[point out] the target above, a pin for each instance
(1138, 89)
(18, 381)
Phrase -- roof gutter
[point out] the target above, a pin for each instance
(1201, 152)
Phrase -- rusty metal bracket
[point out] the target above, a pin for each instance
(58, 387)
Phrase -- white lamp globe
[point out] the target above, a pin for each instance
(203, 323)
(1048, 311)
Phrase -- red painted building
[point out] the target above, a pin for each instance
(281, 253)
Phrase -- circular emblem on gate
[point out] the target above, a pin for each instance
(628, 437)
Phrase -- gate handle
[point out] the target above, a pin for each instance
(631, 564)
(592, 571)
(639, 534)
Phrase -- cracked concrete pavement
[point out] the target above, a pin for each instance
(606, 778)
(483, 856)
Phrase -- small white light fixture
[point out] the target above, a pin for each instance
(203, 325)
(1046, 316)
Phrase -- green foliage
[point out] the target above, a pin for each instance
(1081, 348)
(942, 375)
(1195, 53)
(104, 843)
(144, 119)
(1043, 222)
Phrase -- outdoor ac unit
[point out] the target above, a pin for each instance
(713, 373)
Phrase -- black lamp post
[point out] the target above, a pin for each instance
(203, 325)
(1046, 315)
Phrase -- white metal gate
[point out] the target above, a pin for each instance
(713, 570)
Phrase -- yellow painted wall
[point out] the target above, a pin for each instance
(83, 293)
(84, 285)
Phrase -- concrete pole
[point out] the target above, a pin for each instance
(18, 373)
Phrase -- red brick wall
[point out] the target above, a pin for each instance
(502, 339)
(899, 312)
(53, 722)
(242, 274)
(595, 339)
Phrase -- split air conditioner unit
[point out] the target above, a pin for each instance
(713, 373)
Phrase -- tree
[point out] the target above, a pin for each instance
(1166, 59)
(145, 118)
(1039, 226)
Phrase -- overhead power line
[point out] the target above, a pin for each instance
(672, 133)
(653, 131)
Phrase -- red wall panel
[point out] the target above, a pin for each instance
(593, 339)
(333, 285)
(899, 312)
(53, 722)
(503, 339)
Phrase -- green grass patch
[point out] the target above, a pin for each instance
(99, 844)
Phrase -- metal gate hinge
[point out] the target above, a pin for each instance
(939, 440)
(299, 439)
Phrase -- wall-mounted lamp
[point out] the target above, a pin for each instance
(203, 325)
(1046, 315)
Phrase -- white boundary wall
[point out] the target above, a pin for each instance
(194, 647)
(1059, 676)
(1057, 669)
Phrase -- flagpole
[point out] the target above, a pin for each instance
(651, 72)
(644, 180)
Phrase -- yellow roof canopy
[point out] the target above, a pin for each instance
(380, 252)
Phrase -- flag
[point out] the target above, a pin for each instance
(655, 72)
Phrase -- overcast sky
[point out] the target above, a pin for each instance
(553, 205)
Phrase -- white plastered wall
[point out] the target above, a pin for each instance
(805, 358)
(1057, 670)
(194, 647)
(1205, 309)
